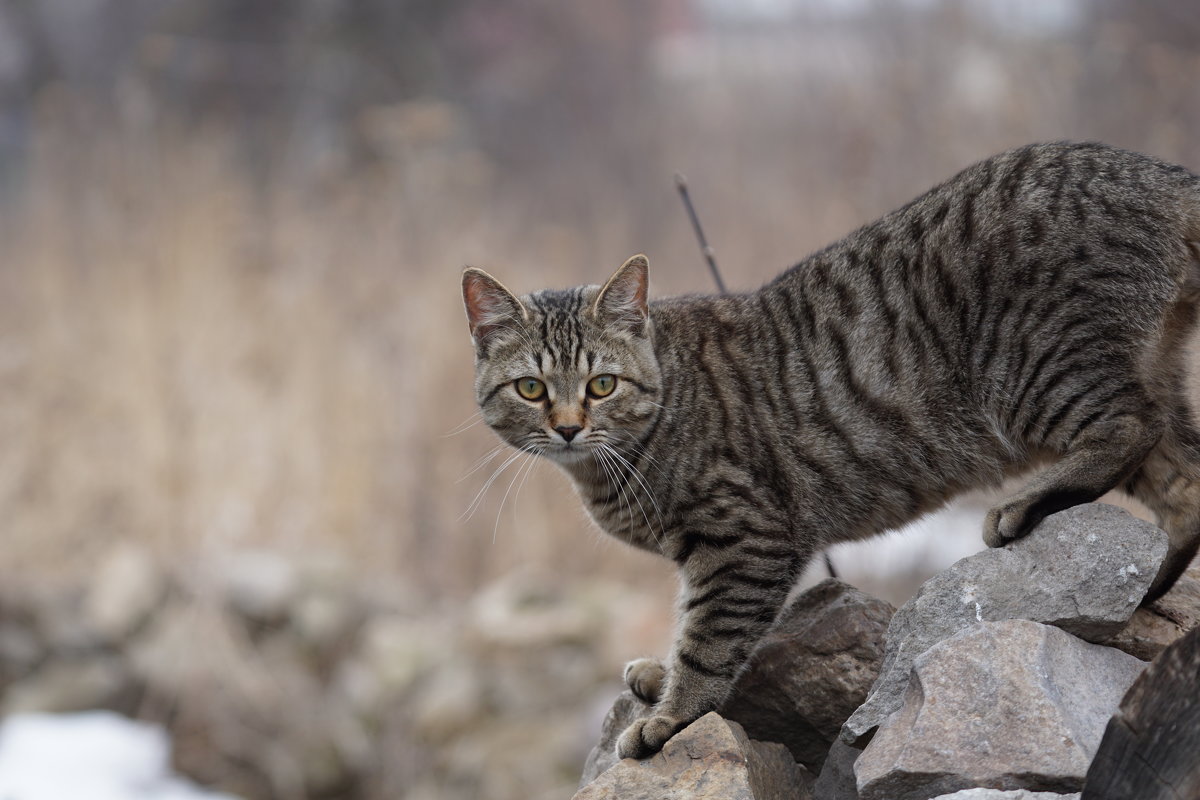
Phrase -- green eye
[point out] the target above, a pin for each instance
(602, 385)
(531, 388)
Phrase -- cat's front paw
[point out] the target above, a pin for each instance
(645, 737)
(645, 678)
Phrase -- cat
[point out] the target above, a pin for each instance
(1030, 311)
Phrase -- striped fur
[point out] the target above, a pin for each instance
(1030, 310)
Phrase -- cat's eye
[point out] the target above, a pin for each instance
(531, 388)
(602, 385)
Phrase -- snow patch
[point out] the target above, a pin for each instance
(96, 755)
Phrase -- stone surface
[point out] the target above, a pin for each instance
(260, 585)
(124, 592)
(74, 685)
(836, 781)
(624, 711)
(812, 670)
(1083, 570)
(1000, 794)
(711, 759)
(1006, 705)
(1155, 626)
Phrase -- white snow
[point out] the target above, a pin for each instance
(95, 755)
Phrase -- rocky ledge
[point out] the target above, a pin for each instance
(996, 681)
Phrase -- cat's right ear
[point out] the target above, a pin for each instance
(490, 306)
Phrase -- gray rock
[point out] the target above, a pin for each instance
(836, 781)
(72, 685)
(1155, 626)
(1083, 570)
(20, 651)
(1000, 794)
(624, 711)
(806, 676)
(711, 759)
(1006, 705)
(261, 586)
(812, 670)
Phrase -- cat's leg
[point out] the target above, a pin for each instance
(731, 597)
(1169, 484)
(1097, 458)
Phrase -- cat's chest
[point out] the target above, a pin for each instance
(624, 508)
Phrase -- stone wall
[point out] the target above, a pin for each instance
(996, 680)
(290, 677)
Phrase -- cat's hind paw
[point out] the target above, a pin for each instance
(1006, 522)
(645, 737)
(645, 678)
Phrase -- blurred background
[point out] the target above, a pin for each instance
(243, 490)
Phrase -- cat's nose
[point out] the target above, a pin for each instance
(568, 431)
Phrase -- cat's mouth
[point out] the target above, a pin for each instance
(569, 452)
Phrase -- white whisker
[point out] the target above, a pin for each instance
(465, 425)
(611, 451)
(529, 456)
(482, 462)
(475, 502)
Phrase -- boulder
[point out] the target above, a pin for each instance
(77, 684)
(624, 711)
(260, 585)
(1083, 570)
(711, 759)
(1155, 626)
(836, 781)
(1004, 705)
(812, 670)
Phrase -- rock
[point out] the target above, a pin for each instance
(806, 676)
(259, 585)
(710, 759)
(1083, 570)
(73, 685)
(1000, 794)
(392, 653)
(124, 592)
(836, 781)
(812, 670)
(20, 651)
(525, 611)
(624, 711)
(1155, 626)
(1149, 750)
(1006, 705)
(450, 702)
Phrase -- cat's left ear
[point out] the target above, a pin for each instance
(622, 301)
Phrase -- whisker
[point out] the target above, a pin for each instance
(465, 425)
(482, 462)
(530, 455)
(610, 473)
(475, 502)
(612, 452)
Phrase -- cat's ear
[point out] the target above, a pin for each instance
(622, 301)
(490, 306)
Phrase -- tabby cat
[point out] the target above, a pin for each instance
(1031, 309)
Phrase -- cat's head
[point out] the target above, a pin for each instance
(565, 372)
